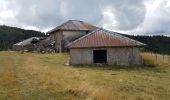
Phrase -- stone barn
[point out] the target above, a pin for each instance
(68, 32)
(106, 47)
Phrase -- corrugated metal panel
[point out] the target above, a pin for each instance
(75, 26)
(103, 38)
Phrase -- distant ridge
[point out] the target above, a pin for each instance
(10, 35)
(156, 43)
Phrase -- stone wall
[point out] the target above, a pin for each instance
(81, 56)
(126, 56)
(62, 38)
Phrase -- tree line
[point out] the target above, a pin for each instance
(156, 44)
(12, 35)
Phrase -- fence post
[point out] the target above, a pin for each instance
(163, 58)
(169, 59)
(156, 58)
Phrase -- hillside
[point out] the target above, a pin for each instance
(11, 35)
(33, 76)
(157, 44)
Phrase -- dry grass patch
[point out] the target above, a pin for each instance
(152, 59)
(67, 81)
(9, 84)
(44, 76)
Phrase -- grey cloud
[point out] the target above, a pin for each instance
(128, 14)
(157, 21)
(39, 13)
(44, 13)
(86, 10)
(48, 13)
(125, 15)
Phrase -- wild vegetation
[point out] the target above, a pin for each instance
(33, 76)
(157, 44)
(12, 35)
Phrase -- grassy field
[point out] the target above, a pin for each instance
(32, 76)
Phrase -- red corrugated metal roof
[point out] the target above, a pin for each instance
(74, 25)
(103, 38)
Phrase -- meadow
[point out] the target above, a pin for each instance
(32, 76)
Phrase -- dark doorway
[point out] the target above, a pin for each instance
(99, 56)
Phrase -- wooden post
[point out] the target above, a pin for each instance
(169, 59)
(22, 51)
(156, 58)
(163, 58)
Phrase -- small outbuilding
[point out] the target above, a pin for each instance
(106, 47)
(27, 44)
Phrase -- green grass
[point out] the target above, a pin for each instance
(32, 76)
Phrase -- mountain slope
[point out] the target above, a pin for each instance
(11, 35)
(157, 44)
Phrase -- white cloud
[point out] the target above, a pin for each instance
(7, 14)
(109, 20)
(157, 19)
(31, 28)
(129, 16)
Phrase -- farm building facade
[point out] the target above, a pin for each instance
(68, 32)
(103, 46)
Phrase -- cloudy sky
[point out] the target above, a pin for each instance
(128, 16)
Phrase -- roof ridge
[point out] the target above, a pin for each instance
(58, 27)
(86, 26)
(75, 20)
(118, 34)
(90, 33)
(74, 23)
(82, 22)
(62, 24)
(109, 33)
